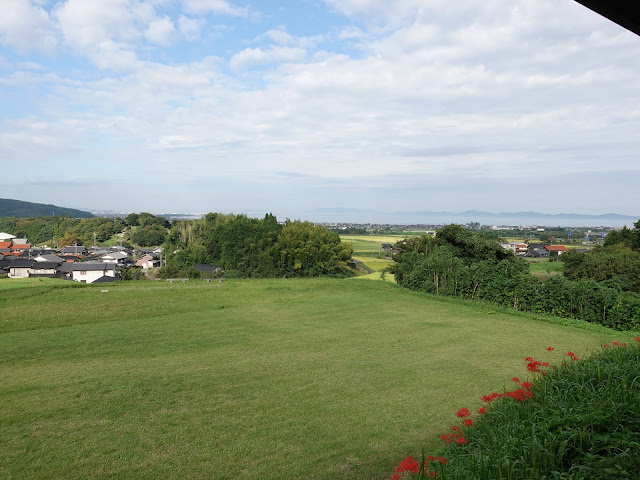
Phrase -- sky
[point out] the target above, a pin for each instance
(293, 107)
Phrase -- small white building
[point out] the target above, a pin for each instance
(89, 272)
(117, 258)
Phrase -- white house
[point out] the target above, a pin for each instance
(89, 272)
(117, 258)
(5, 236)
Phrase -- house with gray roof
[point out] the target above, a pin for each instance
(89, 272)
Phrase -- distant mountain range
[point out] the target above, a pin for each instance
(20, 209)
(486, 218)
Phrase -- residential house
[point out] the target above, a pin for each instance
(557, 248)
(19, 248)
(45, 269)
(521, 249)
(89, 272)
(538, 253)
(148, 261)
(49, 257)
(117, 258)
(76, 250)
(6, 237)
(20, 268)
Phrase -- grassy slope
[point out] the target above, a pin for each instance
(322, 378)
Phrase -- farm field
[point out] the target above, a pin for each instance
(268, 379)
(370, 244)
(376, 265)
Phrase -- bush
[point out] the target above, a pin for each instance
(581, 422)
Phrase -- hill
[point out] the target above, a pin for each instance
(20, 209)
(270, 379)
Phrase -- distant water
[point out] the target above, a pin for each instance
(444, 219)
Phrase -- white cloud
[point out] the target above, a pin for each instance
(439, 91)
(252, 57)
(25, 26)
(190, 27)
(161, 31)
(218, 7)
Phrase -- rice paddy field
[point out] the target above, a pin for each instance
(370, 245)
(248, 379)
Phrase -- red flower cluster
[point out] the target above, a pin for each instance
(410, 465)
(550, 349)
(463, 412)
(573, 356)
(532, 365)
(456, 436)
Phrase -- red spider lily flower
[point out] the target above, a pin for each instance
(550, 349)
(528, 359)
(463, 412)
(395, 477)
(623, 344)
(637, 338)
(461, 440)
(482, 411)
(525, 385)
(515, 379)
(571, 354)
(616, 344)
(468, 422)
(453, 435)
(492, 397)
(532, 367)
(606, 345)
(456, 428)
(445, 438)
(433, 474)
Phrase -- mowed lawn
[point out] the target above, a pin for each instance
(249, 379)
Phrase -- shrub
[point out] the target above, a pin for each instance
(579, 421)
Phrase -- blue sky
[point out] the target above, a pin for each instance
(292, 106)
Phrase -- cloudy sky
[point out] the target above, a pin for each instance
(291, 106)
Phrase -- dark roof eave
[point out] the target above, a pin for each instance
(623, 12)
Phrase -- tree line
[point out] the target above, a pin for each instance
(144, 229)
(251, 247)
(458, 262)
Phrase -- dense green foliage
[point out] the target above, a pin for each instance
(583, 423)
(251, 247)
(148, 230)
(616, 265)
(20, 209)
(64, 230)
(149, 235)
(315, 378)
(459, 263)
(626, 237)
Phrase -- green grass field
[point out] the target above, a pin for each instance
(367, 245)
(249, 379)
(543, 268)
